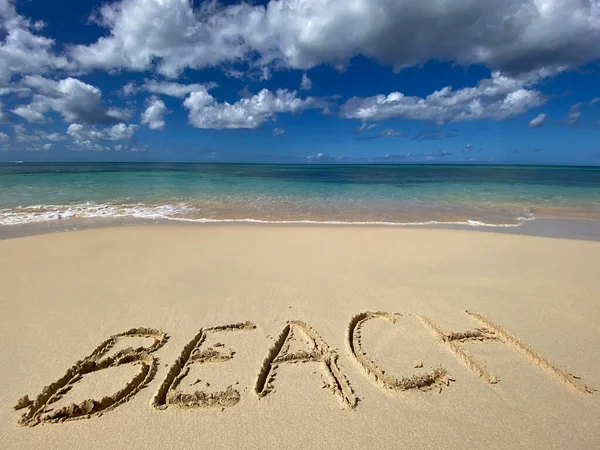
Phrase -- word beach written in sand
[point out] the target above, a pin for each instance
(284, 351)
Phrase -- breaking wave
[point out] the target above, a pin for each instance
(186, 213)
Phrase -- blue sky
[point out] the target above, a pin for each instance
(301, 81)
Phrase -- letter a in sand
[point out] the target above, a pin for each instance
(318, 352)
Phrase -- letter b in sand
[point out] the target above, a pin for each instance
(40, 409)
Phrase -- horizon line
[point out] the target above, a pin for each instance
(18, 163)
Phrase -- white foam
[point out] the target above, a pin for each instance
(473, 223)
(178, 212)
(47, 213)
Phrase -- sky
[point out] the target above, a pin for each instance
(301, 81)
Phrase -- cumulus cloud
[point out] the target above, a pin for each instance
(278, 131)
(130, 88)
(4, 138)
(36, 140)
(83, 133)
(498, 97)
(11, 88)
(306, 83)
(514, 36)
(317, 156)
(538, 120)
(32, 113)
(170, 32)
(594, 100)
(74, 100)
(22, 49)
(264, 74)
(22, 136)
(54, 137)
(169, 88)
(233, 73)
(153, 116)
(250, 113)
(120, 132)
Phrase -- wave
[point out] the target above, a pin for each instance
(474, 223)
(181, 212)
(46, 213)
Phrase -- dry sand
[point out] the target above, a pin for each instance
(295, 337)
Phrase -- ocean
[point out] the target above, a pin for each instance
(474, 195)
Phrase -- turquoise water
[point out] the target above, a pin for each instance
(476, 195)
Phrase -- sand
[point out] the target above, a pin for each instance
(295, 337)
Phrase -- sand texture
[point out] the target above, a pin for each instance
(298, 337)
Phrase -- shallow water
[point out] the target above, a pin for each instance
(493, 196)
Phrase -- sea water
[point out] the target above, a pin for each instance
(477, 195)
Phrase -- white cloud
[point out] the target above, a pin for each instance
(264, 74)
(574, 114)
(170, 32)
(365, 127)
(36, 141)
(32, 113)
(517, 36)
(130, 88)
(84, 133)
(169, 88)
(538, 120)
(153, 115)
(22, 50)
(53, 137)
(594, 100)
(74, 100)
(234, 73)
(306, 83)
(120, 132)
(38, 136)
(390, 132)
(4, 138)
(93, 146)
(278, 131)
(22, 136)
(498, 98)
(11, 88)
(206, 112)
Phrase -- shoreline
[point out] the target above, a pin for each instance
(563, 228)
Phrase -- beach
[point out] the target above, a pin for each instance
(288, 336)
